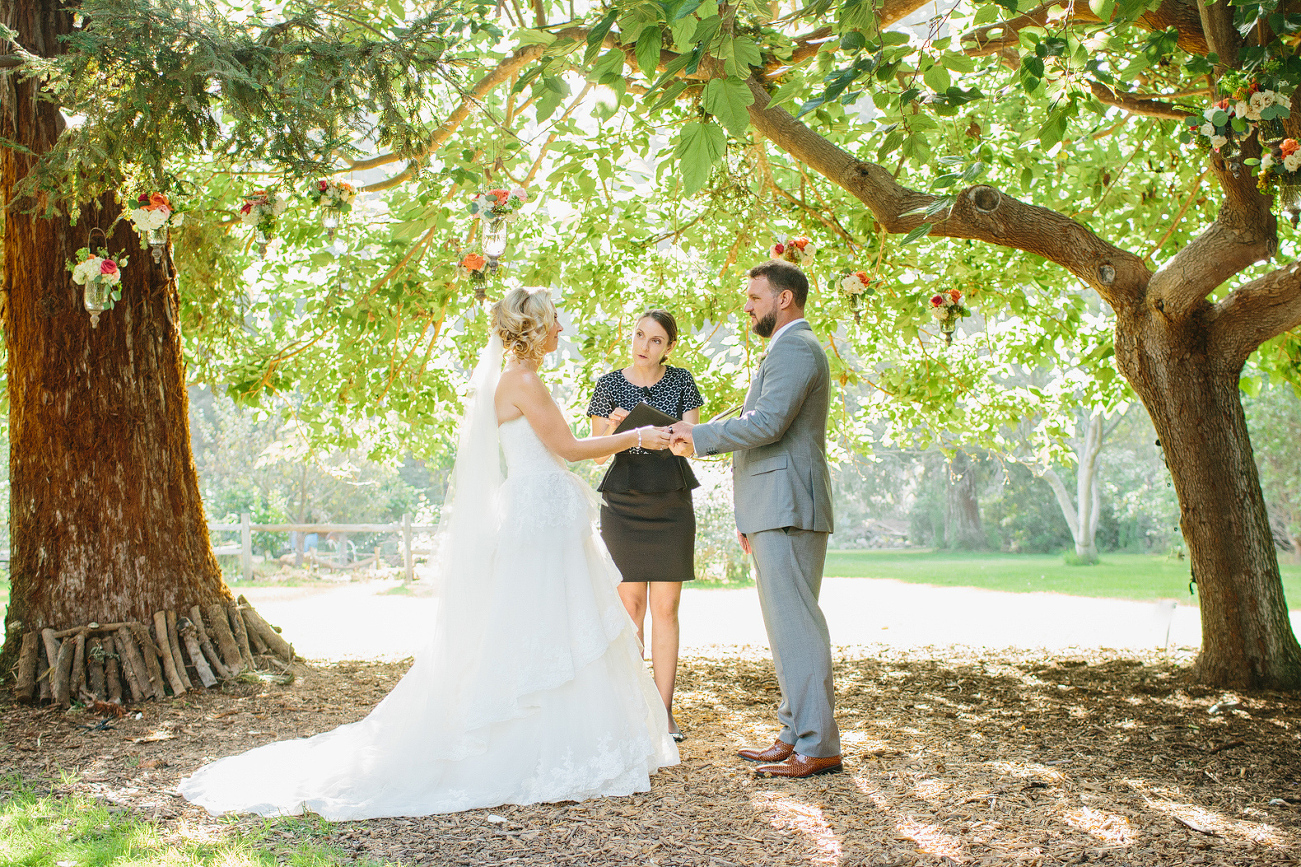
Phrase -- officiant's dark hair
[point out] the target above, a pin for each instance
(782, 275)
(666, 321)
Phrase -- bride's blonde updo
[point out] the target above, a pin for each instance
(522, 320)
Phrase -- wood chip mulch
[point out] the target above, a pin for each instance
(952, 757)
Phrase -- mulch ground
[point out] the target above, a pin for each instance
(952, 757)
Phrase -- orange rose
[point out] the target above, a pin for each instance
(801, 242)
(500, 195)
(158, 200)
(863, 278)
(956, 295)
(473, 262)
(1289, 147)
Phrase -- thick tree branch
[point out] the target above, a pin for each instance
(498, 76)
(1255, 312)
(1245, 231)
(1180, 14)
(1135, 104)
(1221, 36)
(979, 213)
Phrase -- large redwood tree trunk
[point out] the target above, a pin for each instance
(107, 524)
(1192, 394)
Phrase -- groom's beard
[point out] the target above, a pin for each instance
(766, 326)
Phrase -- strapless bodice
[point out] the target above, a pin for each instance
(525, 453)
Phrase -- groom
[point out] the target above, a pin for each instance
(782, 491)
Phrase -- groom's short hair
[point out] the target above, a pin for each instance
(782, 275)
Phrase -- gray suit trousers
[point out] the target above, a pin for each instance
(789, 562)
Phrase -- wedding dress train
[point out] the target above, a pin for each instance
(531, 689)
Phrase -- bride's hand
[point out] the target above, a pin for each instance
(655, 438)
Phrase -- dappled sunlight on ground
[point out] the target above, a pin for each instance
(952, 757)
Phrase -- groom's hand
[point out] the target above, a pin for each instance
(683, 444)
(745, 543)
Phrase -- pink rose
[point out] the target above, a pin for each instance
(107, 267)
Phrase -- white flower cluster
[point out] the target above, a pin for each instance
(92, 270)
(855, 283)
(153, 220)
(262, 207)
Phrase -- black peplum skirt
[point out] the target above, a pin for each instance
(651, 535)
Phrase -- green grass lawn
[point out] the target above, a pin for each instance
(1119, 576)
(42, 828)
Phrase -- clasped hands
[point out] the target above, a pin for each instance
(676, 437)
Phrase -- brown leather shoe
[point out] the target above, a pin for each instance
(798, 767)
(780, 751)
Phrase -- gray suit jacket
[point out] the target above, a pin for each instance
(779, 443)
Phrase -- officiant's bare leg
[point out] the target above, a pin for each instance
(633, 594)
(665, 597)
(789, 565)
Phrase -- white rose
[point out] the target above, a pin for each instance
(82, 272)
(1280, 99)
(1218, 141)
(1266, 160)
(115, 277)
(1210, 112)
(1260, 100)
(1292, 162)
(1241, 109)
(1208, 129)
(851, 285)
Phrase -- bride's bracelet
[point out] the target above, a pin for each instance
(638, 437)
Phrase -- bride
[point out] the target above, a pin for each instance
(530, 686)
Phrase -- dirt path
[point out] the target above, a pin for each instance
(364, 621)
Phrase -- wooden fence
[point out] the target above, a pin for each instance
(246, 529)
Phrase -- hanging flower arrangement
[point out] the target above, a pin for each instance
(101, 275)
(474, 267)
(947, 307)
(152, 212)
(798, 251)
(854, 285)
(498, 203)
(153, 217)
(1227, 123)
(332, 195)
(260, 210)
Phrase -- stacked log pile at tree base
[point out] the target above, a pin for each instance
(134, 662)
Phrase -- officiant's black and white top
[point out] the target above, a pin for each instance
(675, 394)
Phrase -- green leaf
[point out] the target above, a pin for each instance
(648, 50)
(920, 232)
(596, 35)
(937, 78)
(1103, 9)
(687, 7)
(727, 99)
(699, 146)
(534, 37)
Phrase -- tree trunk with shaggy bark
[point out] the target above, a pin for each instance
(107, 524)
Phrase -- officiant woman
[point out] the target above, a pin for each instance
(647, 520)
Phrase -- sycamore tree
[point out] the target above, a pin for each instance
(997, 125)
(1034, 158)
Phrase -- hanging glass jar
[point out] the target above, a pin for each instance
(96, 297)
(947, 326)
(330, 220)
(157, 241)
(495, 230)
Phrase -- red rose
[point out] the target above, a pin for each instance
(778, 249)
(325, 185)
(107, 267)
(248, 206)
(937, 300)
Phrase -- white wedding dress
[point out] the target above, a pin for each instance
(531, 688)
